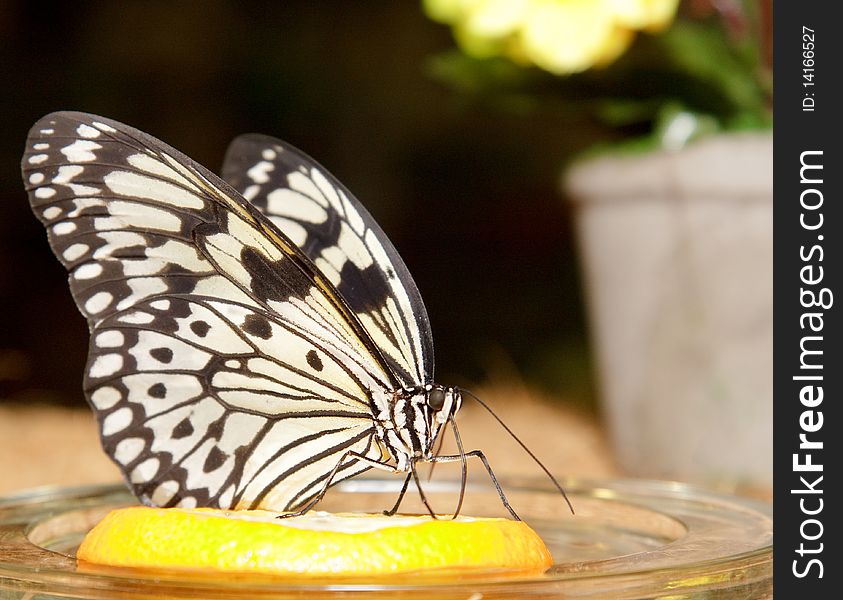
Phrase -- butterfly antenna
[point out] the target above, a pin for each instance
(464, 473)
(523, 445)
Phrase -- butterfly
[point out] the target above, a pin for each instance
(255, 338)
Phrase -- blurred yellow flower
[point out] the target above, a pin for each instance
(560, 36)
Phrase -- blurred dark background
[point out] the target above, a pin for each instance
(468, 193)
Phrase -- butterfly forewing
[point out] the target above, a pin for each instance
(344, 242)
(224, 367)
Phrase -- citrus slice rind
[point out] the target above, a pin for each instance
(316, 544)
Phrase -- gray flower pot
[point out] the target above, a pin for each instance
(677, 257)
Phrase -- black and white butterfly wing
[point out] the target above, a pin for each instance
(344, 242)
(224, 368)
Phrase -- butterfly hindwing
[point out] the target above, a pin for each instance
(344, 242)
(224, 368)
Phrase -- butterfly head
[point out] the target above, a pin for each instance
(442, 403)
(418, 415)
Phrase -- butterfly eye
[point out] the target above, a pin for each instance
(436, 399)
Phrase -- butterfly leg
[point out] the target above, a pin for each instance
(415, 475)
(403, 491)
(321, 494)
(484, 460)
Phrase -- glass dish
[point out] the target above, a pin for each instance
(628, 540)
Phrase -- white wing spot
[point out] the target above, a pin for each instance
(354, 218)
(117, 240)
(180, 253)
(36, 178)
(269, 154)
(142, 287)
(288, 203)
(80, 151)
(101, 126)
(164, 492)
(153, 166)
(137, 318)
(86, 131)
(260, 172)
(37, 159)
(128, 450)
(328, 270)
(250, 192)
(188, 502)
(51, 212)
(83, 189)
(226, 497)
(110, 338)
(133, 215)
(41, 146)
(135, 185)
(98, 302)
(295, 231)
(303, 184)
(64, 227)
(68, 172)
(117, 421)
(232, 364)
(48, 131)
(328, 190)
(335, 256)
(354, 248)
(75, 251)
(87, 271)
(105, 365)
(83, 203)
(160, 304)
(45, 192)
(105, 397)
(145, 471)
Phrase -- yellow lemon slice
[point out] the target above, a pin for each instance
(315, 544)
